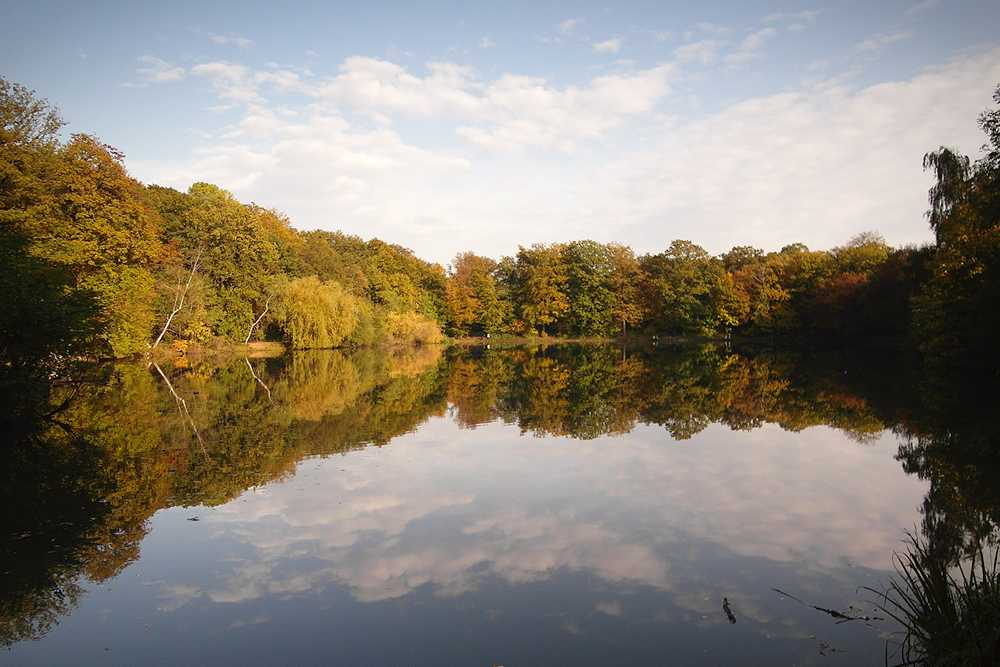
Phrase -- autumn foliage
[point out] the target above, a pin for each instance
(164, 267)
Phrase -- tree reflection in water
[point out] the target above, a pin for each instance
(81, 489)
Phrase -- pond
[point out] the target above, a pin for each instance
(585, 505)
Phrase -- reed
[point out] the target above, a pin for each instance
(950, 612)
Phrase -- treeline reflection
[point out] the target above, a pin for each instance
(98, 459)
(590, 391)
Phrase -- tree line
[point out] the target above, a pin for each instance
(96, 262)
(587, 289)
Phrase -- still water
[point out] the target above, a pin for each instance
(545, 506)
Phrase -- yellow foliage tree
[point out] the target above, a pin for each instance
(317, 314)
(413, 329)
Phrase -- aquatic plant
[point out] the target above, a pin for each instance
(950, 611)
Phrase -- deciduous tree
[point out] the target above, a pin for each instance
(540, 277)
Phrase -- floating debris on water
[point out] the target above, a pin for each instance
(729, 612)
(851, 615)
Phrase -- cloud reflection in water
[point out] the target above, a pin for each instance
(450, 507)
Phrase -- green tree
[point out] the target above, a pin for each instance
(955, 314)
(764, 295)
(691, 294)
(540, 277)
(740, 256)
(29, 130)
(327, 255)
(47, 318)
(473, 299)
(799, 271)
(81, 211)
(589, 287)
(837, 301)
(239, 255)
(107, 237)
(389, 276)
(626, 277)
(46, 323)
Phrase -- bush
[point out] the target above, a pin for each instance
(413, 329)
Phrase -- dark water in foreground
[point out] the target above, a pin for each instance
(584, 506)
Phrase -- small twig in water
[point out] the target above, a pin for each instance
(843, 618)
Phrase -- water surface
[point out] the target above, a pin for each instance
(590, 506)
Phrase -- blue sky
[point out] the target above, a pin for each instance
(449, 126)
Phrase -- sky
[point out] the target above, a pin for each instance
(448, 127)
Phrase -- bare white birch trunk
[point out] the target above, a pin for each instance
(179, 297)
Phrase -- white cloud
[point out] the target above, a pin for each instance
(282, 80)
(487, 43)
(321, 151)
(567, 27)
(159, 71)
(609, 46)
(240, 85)
(714, 29)
(703, 51)
(241, 42)
(232, 82)
(876, 41)
(176, 596)
(368, 84)
(816, 165)
(807, 16)
(752, 46)
(523, 111)
(610, 607)
(921, 7)
(508, 114)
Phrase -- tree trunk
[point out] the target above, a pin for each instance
(267, 305)
(179, 297)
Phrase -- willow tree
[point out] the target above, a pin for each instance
(956, 315)
(317, 314)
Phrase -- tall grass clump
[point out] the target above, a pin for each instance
(950, 612)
